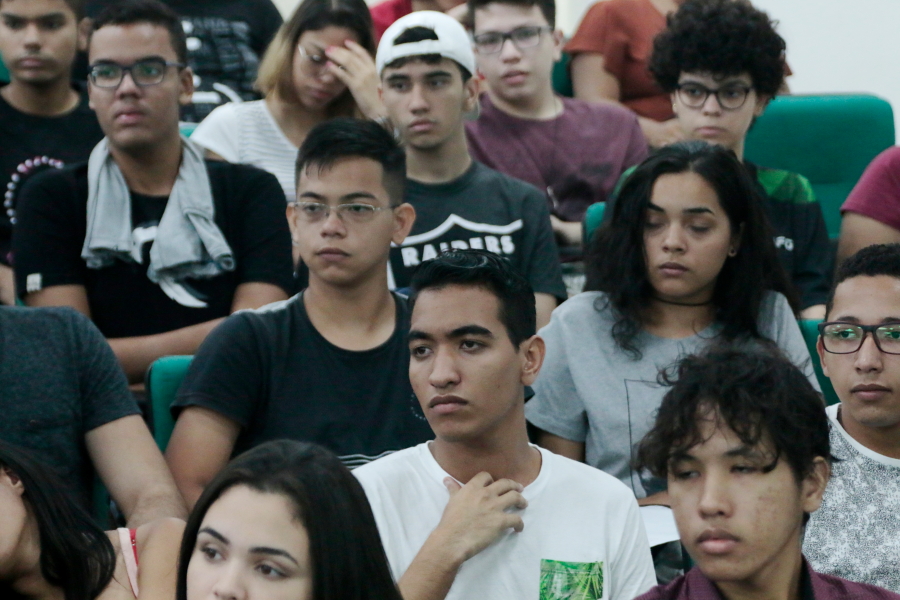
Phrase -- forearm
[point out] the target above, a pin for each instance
(432, 571)
(136, 354)
(155, 502)
(7, 286)
(544, 305)
(571, 231)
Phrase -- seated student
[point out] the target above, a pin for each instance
(426, 63)
(856, 533)
(573, 149)
(686, 260)
(329, 365)
(44, 121)
(742, 440)
(385, 12)
(85, 234)
(226, 41)
(479, 512)
(722, 61)
(64, 397)
(319, 66)
(53, 549)
(283, 521)
(871, 213)
(610, 51)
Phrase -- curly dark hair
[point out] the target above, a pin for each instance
(871, 261)
(616, 263)
(756, 392)
(723, 38)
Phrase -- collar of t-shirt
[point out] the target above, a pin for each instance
(833, 412)
(699, 587)
(454, 186)
(532, 490)
(490, 111)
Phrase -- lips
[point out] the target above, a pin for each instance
(332, 254)
(514, 77)
(31, 62)
(717, 541)
(421, 125)
(128, 116)
(672, 269)
(708, 132)
(445, 405)
(870, 391)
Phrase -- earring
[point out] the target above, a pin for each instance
(732, 252)
(295, 242)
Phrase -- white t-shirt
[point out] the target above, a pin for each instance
(246, 132)
(583, 535)
(855, 534)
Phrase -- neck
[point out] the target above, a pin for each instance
(669, 320)
(439, 164)
(151, 170)
(294, 120)
(883, 440)
(779, 580)
(738, 150)
(504, 453)
(543, 106)
(26, 576)
(50, 100)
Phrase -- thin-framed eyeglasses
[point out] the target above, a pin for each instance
(311, 64)
(491, 42)
(847, 338)
(150, 71)
(356, 212)
(729, 97)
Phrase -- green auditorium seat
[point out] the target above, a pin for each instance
(163, 378)
(186, 128)
(828, 139)
(562, 77)
(4, 72)
(811, 335)
(592, 219)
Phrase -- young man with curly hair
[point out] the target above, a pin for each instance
(722, 62)
(743, 442)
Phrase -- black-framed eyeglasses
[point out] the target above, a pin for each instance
(491, 42)
(847, 338)
(316, 212)
(729, 97)
(150, 71)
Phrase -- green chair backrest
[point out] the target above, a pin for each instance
(4, 72)
(592, 219)
(562, 77)
(810, 329)
(828, 139)
(186, 128)
(163, 378)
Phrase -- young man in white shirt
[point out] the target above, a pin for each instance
(480, 512)
(856, 533)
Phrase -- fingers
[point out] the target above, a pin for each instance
(452, 485)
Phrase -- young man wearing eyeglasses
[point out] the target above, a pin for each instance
(856, 533)
(330, 365)
(45, 121)
(573, 150)
(722, 62)
(147, 239)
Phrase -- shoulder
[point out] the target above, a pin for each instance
(774, 306)
(389, 470)
(55, 322)
(578, 307)
(239, 177)
(587, 482)
(70, 176)
(830, 586)
(274, 317)
(889, 160)
(510, 188)
(593, 111)
(785, 186)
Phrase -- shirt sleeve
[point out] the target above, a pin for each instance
(638, 150)
(777, 323)
(599, 34)
(557, 407)
(631, 568)
(877, 193)
(220, 132)
(49, 234)
(227, 373)
(104, 389)
(540, 260)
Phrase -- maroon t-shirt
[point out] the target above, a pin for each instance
(385, 13)
(877, 193)
(576, 158)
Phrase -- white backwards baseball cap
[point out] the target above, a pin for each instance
(453, 42)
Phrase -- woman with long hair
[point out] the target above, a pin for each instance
(686, 260)
(51, 549)
(320, 65)
(285, 520)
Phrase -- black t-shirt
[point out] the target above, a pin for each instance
(226, 40)
(249, 209)
(30, 144)
(482, 209)
(58, 380)
(273, 373)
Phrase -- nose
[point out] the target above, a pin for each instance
(444, 373)
(715, 497)
(509, 51)
(32, 36)
(230, 584)
(128, 86)
(674, 238)
(333, 225)
(418, 103)
(712, 106)
(868, 357)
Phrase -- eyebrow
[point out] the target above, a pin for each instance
(697, 210)
(254, 550)
(856, 320)
(457, 333)
(345, 199)
(743, 451)
(109, 61)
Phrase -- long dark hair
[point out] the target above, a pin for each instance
(616, 258)
(76, 555)
(348, 560)
(275, 69)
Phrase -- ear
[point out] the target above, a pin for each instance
(10, 478)
(532, 351)
(820, 350)
(674, 98)
(84, 33)
(736, 240)
(404, 218)
(558, 43)
(813, 486)
(291, 214)
(472, 89)
(186, 79)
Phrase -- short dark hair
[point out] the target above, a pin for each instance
(77, 7)
(548, 8)
(723, 38)
(616, 262)
(480, 268)
(76, 554)
(418, 34)
(348, 560)
(871, 261)
(131, 12)
(756, 392)
(345, 137)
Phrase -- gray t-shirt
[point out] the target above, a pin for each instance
(855, 534)
(589, 390)
(59, 379)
